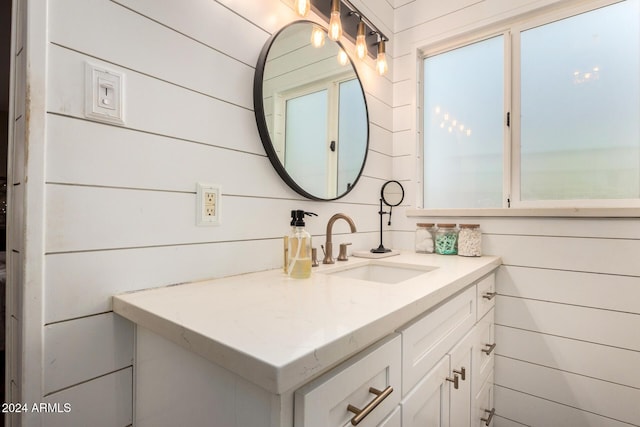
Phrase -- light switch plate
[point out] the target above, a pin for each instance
(104, 94)
(208, 204)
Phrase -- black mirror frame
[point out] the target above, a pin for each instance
(258, 108)
(382, 193)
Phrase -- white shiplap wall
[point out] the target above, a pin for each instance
(568, 310)
(119, 201)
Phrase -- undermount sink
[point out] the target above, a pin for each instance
(376, 271)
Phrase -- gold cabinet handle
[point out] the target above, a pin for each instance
(360, 414)
(491, 413)
(454, 380)
(489, 348)
(489, 295)
(462, 372)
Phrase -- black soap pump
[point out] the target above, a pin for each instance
(299, 247)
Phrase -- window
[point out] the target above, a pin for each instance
(572, 137)
(463, 131)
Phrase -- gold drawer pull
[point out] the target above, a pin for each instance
(491, 413)
(362, 413)
(489, 348)
(489, 295)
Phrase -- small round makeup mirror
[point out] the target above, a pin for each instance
(392, 193)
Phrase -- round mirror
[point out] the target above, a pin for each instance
(392, 193)
(311, 111)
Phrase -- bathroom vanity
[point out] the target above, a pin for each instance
(399, 341)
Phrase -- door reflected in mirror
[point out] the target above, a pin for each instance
(311, 112)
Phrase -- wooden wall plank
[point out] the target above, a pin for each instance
(588, 324)
(537, 412)
(85, 153)
(611, 292)
(103, 402)
(596, 396)
(83, 348)
(579, 357)
(567, 253)
(193, 18)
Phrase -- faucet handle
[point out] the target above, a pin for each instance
(342, 256)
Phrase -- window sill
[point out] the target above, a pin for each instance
(529, 212)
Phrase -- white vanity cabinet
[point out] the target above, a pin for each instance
(339, 352)
(447, 361)
(457, 389)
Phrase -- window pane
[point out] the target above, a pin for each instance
(305, 141)
(463, 126)
(580, 136)
(352, 128)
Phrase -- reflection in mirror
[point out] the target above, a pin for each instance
(311, 112)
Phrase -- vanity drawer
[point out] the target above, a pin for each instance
(428, 339)
(484, 349)
(486, 294)
(324, 401)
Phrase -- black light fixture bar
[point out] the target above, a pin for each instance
(350, 17)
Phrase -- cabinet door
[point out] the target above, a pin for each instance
(325, 401)
(428, 403)
(426, 340)
(461, 357)
(483, 356)
(483, 404)
(393, 420)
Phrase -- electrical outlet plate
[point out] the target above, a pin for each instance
(208, 204)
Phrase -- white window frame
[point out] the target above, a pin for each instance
(512, 204)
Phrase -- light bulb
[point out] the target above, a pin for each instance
(343, 58)
(381, 62)
(361, 41)
(317, 37)
(335, 25)
(302, 7)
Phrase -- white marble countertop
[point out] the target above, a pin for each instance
(280, 332)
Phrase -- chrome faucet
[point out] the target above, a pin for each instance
(328, 245)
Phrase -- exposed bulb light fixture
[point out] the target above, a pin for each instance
(343, 58)
(335, 24)
(363, 32)
(317, 36)
(361, 41)
(381, 62)
(302, 7)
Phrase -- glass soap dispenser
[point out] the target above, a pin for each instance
(299, 249)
